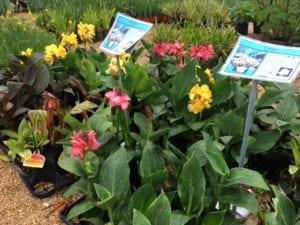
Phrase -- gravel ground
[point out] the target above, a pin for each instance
(19, 207)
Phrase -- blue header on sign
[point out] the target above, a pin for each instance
(133, 23)
(269, 49)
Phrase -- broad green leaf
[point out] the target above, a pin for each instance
(264, 141)
(198, 149)
(88, 71)
(159, 212)
(240, 198)
(83, 106)
(70, 60)
(9, 133)
(79, 186)
(269, 218)
(99, 123)
(91, 164)
(74, 123)
(80, 208)
(179, 219)
(139, 218)
(230, 220)
(142, 197)
(107, 201)
(230, 123)
(296, 151)
(93, 220)
(284, 207)
(184, 81)
(215, 158)
(137, 80)
(191, 186)
(173, 161)
(151, 161)
(295, 126)
(114, 174)
(287, 109)
(214, 218)
(293, 169)
(269, 98)
(156, 178)
(177, 130)
(246, 177)
(102, 192)
(221, 91)
(143, 123)
(72, 165)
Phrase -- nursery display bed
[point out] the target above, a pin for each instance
(19, 207)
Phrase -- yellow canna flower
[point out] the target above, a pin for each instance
(124, 57)
(86, 32)
(52, 52)
(200, 98)
(27, 53)
(21, 62)
(61, 52)
(112, 69)
(210, 76)
(69, 40)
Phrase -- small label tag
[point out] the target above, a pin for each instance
(37, 161)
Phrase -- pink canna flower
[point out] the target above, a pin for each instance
(118, 98)
(82, 142)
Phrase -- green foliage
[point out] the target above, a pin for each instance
(191, 187)
(17, 36)
(243, 12)
(31, 136)
(284, 210)
(158, 162)
(282, 19)
(198, 12)
(4, 5)
(63, 16)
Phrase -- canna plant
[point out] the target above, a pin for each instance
(162, 159)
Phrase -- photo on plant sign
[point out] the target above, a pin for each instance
(124, 34)
(245, 61)
(262, 61)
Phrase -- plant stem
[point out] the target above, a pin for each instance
(119, 72)
(122, 119)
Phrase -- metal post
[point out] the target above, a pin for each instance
(248, 122)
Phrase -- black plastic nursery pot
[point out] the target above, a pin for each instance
(44, 182)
